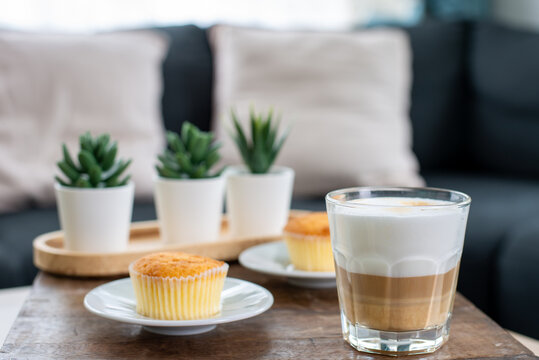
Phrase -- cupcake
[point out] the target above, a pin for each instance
(308, 242)
(178, 286)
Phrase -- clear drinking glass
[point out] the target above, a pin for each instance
(397, 254)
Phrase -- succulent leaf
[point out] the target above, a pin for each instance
(102, 142)
(186, 132)
(240, 139)
(199, 171)
(124, 181)
(61, 181)
(184, 162)
(95, 175)
(200, 149)
(67, 157)
(170, 163)
(191, 154)
(112, 182)
(97, 167)
(83, 183)
(110, 156)
(175, 142)
(71, 173)
(87, 160)
(213, 157)
(167, 172)
(260, 151)
(118, 169)
(86, 142)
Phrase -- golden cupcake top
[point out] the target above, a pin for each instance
(315, 223)
(174, 264)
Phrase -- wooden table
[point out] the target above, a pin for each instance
(302, 324)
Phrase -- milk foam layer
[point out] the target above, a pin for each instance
(398, 237)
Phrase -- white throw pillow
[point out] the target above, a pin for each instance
(345, 95)
(55, 87)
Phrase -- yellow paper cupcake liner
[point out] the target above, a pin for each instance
(310, 253)
(186, 298)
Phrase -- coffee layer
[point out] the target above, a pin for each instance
(396, 303)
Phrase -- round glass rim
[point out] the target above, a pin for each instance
(465, 201)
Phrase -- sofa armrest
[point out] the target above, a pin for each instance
(518, 279)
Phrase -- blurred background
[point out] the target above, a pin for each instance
(474, 114)
(99, 15)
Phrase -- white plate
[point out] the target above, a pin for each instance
(272, 259)
(116, 301)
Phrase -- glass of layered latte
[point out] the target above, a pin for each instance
(397, 254)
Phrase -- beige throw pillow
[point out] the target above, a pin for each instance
(345, 96)
(55, 87)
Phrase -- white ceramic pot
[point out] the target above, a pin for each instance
(258, 205)
(189, 210)
(95, 220)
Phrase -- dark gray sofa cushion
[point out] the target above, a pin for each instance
(438, 107)
(505, 77)
(518, 282)
(18, 230)
(188, 74)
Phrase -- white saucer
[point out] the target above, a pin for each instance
(272, 259)
(116, 301)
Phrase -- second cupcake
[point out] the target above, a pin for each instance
(308, 242)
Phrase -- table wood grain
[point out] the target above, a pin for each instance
(302, 324)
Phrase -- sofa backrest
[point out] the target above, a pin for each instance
(504, 68)
(438, 108)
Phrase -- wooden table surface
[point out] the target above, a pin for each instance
(302, 324)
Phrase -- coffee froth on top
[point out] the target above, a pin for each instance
(398, 237)
(399, 201)
(397, 205)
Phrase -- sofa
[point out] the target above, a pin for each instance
(475, 120)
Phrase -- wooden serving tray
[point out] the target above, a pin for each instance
(50, 256)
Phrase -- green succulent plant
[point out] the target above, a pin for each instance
(261, 149)
(190, 155)
(97, 165)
